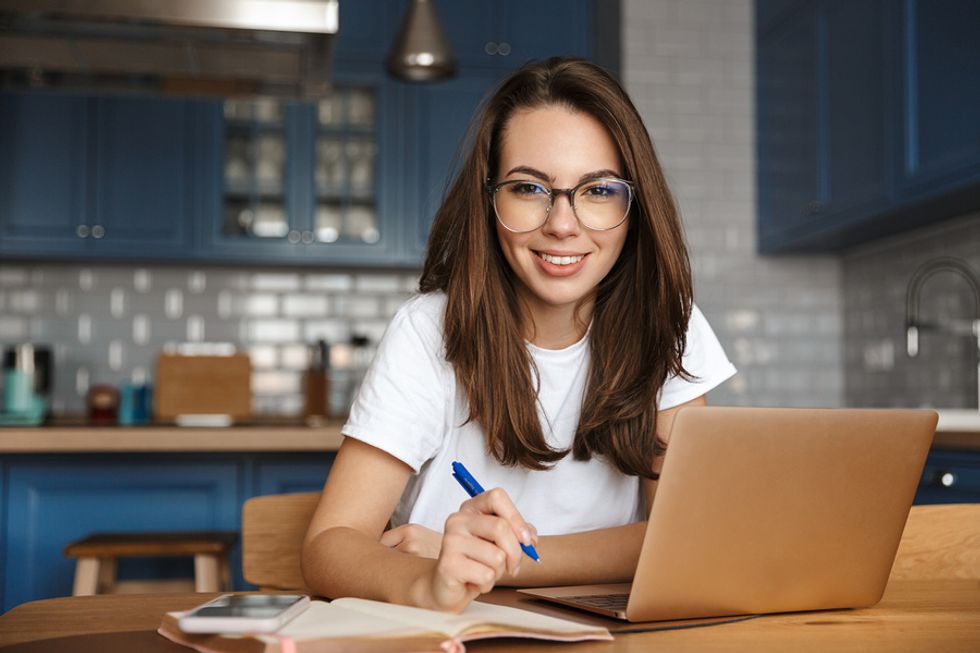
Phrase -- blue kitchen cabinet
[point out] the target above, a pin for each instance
(324, 200)
(47, 501)
(44, 145)
(950, 476)
(507, 33)
(823, 121)
(866, 119)
(96, 177)
(51, 502)
(940, 84)
(441, 112)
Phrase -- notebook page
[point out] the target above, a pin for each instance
(481, 617)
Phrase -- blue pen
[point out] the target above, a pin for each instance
(473, 488)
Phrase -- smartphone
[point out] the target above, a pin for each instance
(243, 613)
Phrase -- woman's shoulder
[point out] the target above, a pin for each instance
(420, 316)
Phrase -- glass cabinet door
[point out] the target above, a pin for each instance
(345, 167)
(255, 197)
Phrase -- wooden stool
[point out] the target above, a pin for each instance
(95, 569)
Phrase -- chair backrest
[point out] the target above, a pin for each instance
(940, 541)
(273, 528)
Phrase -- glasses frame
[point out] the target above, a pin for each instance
(555, 192)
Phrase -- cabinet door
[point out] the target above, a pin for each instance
(44, 140)
(52, 502)
(858, 111)
(791, 189)
(941, 84)
(144, 181)
(507, 33)
(950, 476)
(443, 112)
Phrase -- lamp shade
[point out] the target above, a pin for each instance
(421, 51)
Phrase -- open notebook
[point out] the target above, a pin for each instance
(361, 625)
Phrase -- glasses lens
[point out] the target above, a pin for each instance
(602, 203)
(521, 205)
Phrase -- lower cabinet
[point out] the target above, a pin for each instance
(48, 501)
(950, 476)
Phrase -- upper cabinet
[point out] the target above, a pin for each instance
(866, 119)
(350, 179)
(93, 176)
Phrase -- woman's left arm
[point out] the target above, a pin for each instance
(607, 555)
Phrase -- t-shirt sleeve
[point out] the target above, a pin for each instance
(704, 359)
(401, 404)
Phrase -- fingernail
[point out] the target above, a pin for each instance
(525, 536)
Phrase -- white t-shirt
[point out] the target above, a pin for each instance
(409, 405)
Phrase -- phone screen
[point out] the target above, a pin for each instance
(247, 606)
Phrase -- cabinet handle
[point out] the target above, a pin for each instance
(944, 478)
(491, 48)
(503, 49)
(294, 236)
(98, 231)
(307, 237)
(82, 231)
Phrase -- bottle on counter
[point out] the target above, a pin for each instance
(316, 384)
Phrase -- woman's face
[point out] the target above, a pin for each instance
(563, 261)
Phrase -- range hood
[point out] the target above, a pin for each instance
(183, 47)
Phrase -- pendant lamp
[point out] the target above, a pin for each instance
(421, 52)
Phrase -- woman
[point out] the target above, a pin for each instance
(553, 340)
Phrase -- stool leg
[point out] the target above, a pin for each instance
(225, 574)
(86, 577)
(207, 576)
(107, 575)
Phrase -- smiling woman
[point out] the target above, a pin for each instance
(553, 339)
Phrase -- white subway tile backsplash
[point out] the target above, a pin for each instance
(377, 283)
(141, 329)
(333, 331)
(84, 328)
(294, 357)
(142, 280)
(195, 328)
(12, 329)
(263, 357)
(115, 355)
(11, 277)
(117, 302)
(174, 304)
(329, 282)
(197, 282)
(305, 305)
(275, 382)
(258, 305)
(86, 280)
(275, 282)
(272, 330)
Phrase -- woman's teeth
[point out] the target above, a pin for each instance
(561, 260)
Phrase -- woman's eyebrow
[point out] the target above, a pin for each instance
(534, 172)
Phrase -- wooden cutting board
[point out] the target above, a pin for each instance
(196, 385)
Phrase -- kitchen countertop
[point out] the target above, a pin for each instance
(71, 438)
(957, 429)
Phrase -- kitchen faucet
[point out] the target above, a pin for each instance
(959, 327)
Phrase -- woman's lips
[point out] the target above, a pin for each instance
(559, 270)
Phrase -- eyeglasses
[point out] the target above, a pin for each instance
(523, 205)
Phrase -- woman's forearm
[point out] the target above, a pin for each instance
(608, 555)
(346, 562)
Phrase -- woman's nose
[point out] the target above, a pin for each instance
(561, 220)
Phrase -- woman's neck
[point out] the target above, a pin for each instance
(557, 327)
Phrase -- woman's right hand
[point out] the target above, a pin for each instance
(481, 542)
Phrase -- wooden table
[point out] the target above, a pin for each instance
(934, 615)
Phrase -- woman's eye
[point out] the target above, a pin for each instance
(527, 189)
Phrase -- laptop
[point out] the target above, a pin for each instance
(770, 510)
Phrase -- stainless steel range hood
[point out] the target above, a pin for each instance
(186, 47)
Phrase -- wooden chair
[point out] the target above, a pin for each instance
(273, 528)
(97, 556)
(940, 541)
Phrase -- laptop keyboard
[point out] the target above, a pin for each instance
(606, 601)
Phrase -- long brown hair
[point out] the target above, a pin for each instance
(642, 306)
